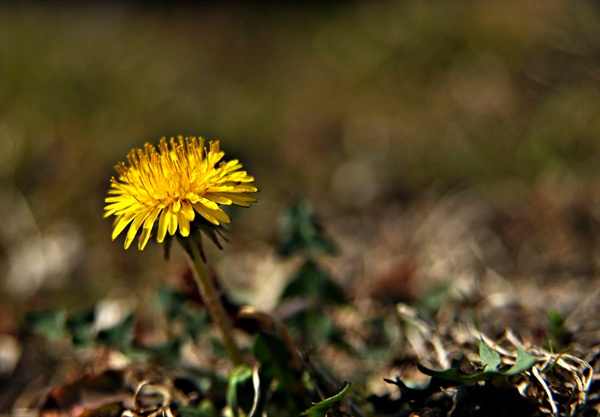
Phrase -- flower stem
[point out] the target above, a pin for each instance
(212, 300)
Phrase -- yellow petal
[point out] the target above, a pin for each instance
(204, 212)
(133, 229)
(221, 216)
(217, 214)
(242, 188)
(187, 210)
(209, 204)
(243, 200)
(171, 221)
(121, 223)
(149, 222)
(144, 237)
(176, 206)
(162, 226)
(116, 207)
(219, 199)
(184, 224)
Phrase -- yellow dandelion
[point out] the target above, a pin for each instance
(172, 184)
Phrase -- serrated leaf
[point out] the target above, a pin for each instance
(171, 302)
(490, 359)
(523, 363)
(81, 327)
(50, 324)
(167, 350)
(457, 375)
(177, 309)
(275, 357)
(302, 232)
(276, 361)
(120, 335)
(313, 282)
(321, 409)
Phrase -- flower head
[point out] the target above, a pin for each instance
(172, 184)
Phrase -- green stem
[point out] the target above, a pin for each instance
(212, 300)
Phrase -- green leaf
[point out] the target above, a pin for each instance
(119, 336)
(81, 327)
(50, 324)
(170, 349)
(490, 359)
(302, 232)
(322, 408)
(274, 355)
(205, 409)
(178, 309)
(313, 282)
(276, 365)
(314, 325)
(559, 336)
(171, 302)
(523, 363)
(457, 375)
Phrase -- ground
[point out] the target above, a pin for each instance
(448, 149)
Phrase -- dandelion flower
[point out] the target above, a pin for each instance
(171, 185)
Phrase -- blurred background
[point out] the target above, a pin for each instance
(373, 111)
